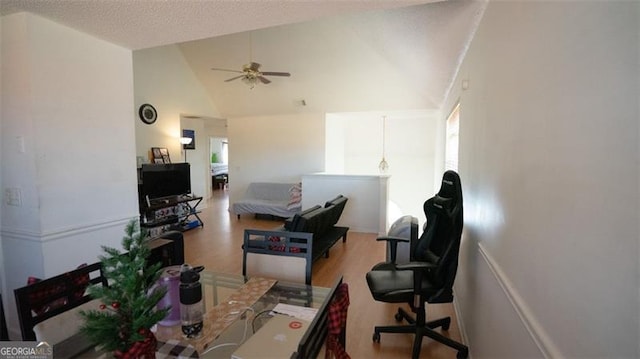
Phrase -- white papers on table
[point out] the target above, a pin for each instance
(304, 313)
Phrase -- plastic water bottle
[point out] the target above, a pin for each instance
(191, 304)
(170, 279)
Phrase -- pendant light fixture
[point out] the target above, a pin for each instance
(383, 166)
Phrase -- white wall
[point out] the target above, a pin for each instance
(367, 204)
(354, 146)
(216, 127)
(260, 149)
(67, 145)
(273, 149)
(549, 167)
(163, 78)
(198, 157)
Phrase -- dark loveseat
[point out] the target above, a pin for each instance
(321, 222)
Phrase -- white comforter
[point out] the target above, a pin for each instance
(219, 169)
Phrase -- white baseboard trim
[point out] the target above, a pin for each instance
(544, 343)
(461, 327)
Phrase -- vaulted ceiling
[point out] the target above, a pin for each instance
(343, 56)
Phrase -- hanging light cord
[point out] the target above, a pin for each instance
(383, 166)
(384, 127)
(250, 49)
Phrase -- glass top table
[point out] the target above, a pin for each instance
(236, 308)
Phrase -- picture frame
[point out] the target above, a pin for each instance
(160, 155)
(192, 135)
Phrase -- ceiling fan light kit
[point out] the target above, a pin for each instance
(251, 73)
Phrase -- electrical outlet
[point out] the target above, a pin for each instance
(13, 196)
(20, 143)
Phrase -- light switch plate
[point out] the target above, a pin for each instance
(13, 196)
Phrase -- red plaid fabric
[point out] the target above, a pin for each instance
(40, 302)
(40, 299)
(281, 245)
(338, 324)
(79, 280)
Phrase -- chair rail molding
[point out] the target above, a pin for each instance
(542, 340)
(58, 233)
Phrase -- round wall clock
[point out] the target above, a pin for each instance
(147, 114)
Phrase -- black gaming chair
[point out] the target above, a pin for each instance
(430, 274)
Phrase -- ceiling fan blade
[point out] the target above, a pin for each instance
(264, 80)
(276, 74)
(234, 78)
(254, 66)
(217, 69)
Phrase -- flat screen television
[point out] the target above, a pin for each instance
(165, 180)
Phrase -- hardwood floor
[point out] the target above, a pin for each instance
(217, 246)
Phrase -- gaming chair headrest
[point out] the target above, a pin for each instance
(450, 186)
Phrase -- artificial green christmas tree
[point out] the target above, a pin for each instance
(128, 308)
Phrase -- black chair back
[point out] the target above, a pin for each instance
(429, 276)
(47, 298)
(440, 242)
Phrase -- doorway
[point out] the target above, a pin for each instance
(219, 155)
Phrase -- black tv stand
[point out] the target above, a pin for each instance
(159, 215)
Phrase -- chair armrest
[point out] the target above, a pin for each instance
(415, 266)
(419, 269)
(393, 241)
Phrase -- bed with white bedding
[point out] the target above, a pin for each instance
(219, 175)
(218, 169)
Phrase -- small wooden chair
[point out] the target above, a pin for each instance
(313, 340)
(4, 332)
(279, 255)
(48, 298)
(337, 324)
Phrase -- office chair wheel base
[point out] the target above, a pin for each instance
(398, 317)
(463, 354)
(376, 337)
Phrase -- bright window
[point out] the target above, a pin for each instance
(451, 142)
(225, 152)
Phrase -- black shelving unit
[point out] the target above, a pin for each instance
(170, 213)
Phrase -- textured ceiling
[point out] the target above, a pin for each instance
(343, 55)
(141, 24)
(383, 60)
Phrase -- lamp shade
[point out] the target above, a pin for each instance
(185, 140)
